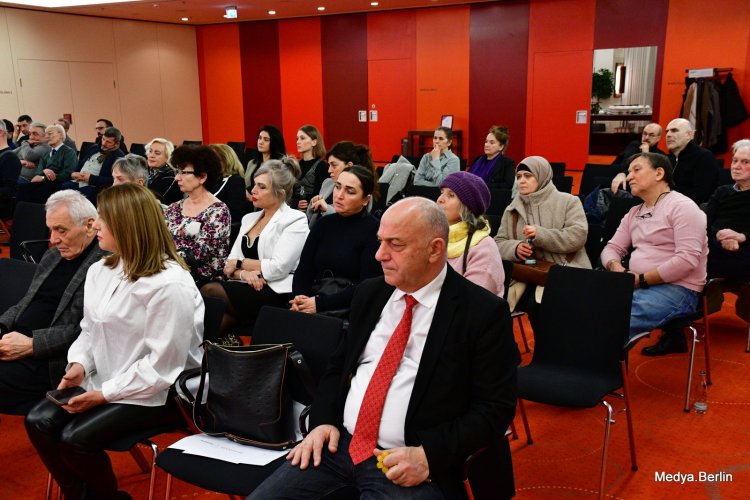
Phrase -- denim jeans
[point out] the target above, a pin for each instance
(337, 471)
(659, 304)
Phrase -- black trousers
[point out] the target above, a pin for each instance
(23, 383)
(72, 446)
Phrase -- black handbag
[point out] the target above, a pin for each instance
(329, 284)
(248, 401)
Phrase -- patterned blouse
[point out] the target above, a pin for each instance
(206, 237)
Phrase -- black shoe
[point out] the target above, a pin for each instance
(669, 343)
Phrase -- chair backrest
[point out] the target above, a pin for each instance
(239, 148)
(558, 168)
(584, 319)
(192, 143)
(315, 336)
(429, 192)
(494, 221)
(138, 149)
(16, 276)
(85, 146)
(499, 200)
(212, 316)
(595, 174)
(29, 223)
(725, 177)
(564, 183)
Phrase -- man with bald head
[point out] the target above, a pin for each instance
(425, 377)
(695, 168)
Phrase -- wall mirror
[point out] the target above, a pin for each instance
(623, 106)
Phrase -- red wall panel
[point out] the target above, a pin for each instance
(344, 61)
(497, 74)
(301, 77)
(220, 77)
(261, 80)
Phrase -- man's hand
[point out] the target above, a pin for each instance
(619, 182)
(50, 174)
(80, 176)
(407, 466)
(73, 377)
(645, 147)
(313, 444)
(14, 346)
(84, 402)
(37, 178)
(615, 266)
(303, 303)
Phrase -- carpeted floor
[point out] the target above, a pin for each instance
(564, 460)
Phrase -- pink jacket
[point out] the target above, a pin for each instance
(483, 267)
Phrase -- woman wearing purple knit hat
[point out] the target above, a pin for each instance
(465, 197)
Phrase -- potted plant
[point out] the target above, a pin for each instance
(602, 87)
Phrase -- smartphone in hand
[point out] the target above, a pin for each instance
(61, 396)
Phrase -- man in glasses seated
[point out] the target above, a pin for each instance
(648, 144)
(666, 239)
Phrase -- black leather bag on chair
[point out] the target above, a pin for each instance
(247, 399)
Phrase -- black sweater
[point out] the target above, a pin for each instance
(695, 172)
(346, 247)
(728, 209)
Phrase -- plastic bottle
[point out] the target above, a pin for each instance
(701, 396)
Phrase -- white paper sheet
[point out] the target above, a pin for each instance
(221, 448)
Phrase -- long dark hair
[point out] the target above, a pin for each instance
(276, 146)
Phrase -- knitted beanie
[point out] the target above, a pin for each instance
(470, 189)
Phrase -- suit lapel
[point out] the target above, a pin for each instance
(439, 330)
(366, 325)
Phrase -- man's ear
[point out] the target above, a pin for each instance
(90, 225)
(436, 249)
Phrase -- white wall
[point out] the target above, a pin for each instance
(143, 76)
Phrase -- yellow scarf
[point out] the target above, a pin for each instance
(458, 234)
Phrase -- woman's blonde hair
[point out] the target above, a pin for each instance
(136, 221)
(230, 162)
(168, 147)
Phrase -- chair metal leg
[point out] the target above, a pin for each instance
(628, 415)
(607, 425)
(152, 479)
(513, 431)
(139, 459)
(747, 346)
(525, 421)
(50, 483)
(691, 364)
(706, 352)
(168, 493)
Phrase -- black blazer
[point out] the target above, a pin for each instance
(503, 176)
(104, 179)
(464, 395)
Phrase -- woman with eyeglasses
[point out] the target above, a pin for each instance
(541, 223)
(667, 236)
(265, 254)
(200, 223)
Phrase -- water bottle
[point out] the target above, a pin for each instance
(531, 261)
(701, 396)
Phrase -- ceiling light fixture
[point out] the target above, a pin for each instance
(53, 4)
(271, 12)
(231, 12)
(374, 4)
(184, 19)
(321, 9)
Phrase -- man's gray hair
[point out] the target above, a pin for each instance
(431, 214)
(79, 207)
(3, 128)
(38, 125)
(59, 128)
(133, 167)
(741, 144)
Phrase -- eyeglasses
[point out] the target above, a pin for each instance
(184, 172)
(650, 135)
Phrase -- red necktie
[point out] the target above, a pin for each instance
(365, 436)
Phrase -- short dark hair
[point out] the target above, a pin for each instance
(348, 152)
(113, 133)
(367, 178)
(25, 118)
(657, 160)
(203, 159)
(106, 122)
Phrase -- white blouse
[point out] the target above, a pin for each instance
(137, 337)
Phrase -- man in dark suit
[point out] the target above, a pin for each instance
(448, 391)
(37, 332)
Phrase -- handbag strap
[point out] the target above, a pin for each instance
(466, 250)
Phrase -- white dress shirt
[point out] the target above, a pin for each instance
(137, 337)
(392, 422)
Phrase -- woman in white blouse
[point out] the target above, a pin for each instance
(142, 326)
(266, 252)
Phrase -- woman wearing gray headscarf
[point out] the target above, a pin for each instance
(541, 223)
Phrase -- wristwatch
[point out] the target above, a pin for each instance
(239, 264)
(642, 283)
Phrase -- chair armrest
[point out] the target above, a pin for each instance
(28, 255)
(303, 420)
(183, 392)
